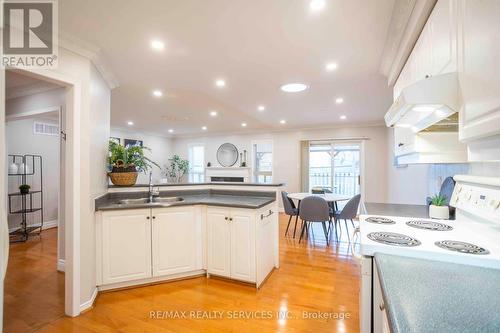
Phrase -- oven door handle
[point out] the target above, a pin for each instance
(356, 236)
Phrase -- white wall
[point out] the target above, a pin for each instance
(161, 151)
(56, 97)
(21, 140)
(286, 150)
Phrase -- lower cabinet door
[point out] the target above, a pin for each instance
(219, 242)
(243, 245)
(126, 245)
(177, 240)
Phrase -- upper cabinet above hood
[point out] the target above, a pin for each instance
(425, 103)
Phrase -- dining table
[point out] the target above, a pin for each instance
(329, 197)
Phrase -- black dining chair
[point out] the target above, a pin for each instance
(314, 209)
(290, 210)
(349, 212)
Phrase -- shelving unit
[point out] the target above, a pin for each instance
(31, 204)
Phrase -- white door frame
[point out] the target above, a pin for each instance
(72, 175)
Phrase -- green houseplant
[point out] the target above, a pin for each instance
(126, 162)
(24, 189)
(438, 208)
(177, 168)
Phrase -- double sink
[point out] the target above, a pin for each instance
(143, 201)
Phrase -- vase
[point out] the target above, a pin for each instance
(23, 169)
(13, 169)
(439, 212)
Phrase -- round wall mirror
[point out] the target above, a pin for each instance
(227, 155)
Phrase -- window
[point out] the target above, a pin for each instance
(196, 163)
(335, 167)
(262, 161)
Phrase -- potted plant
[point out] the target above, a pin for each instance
(177, 168)
(24, 189)
(438, 208)
(126, 162)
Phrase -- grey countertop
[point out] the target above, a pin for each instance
(432, 296)
(420, 211)
(237, 199)
(198, 184)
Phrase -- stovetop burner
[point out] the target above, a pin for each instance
(380, 220)
(461, 247)
(429, 225)
(392, 238)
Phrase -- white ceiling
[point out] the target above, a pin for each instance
(256, 46)
(19, 85)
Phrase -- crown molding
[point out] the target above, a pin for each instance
(407, 21)
(91, 52)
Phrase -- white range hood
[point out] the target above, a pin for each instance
(425, 103)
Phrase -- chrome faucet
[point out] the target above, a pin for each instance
(152, 191)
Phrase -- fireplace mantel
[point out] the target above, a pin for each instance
(230, 174)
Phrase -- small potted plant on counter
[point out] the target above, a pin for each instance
(24, 189)
(126, 162)
(438, 208)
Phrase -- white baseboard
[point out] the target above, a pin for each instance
(60, 265)
(46, 225)
(88, 304)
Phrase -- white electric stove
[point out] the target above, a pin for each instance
(473, 238)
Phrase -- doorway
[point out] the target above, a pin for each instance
(35, 164)
(336, 166)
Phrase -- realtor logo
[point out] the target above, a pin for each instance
(29, 34)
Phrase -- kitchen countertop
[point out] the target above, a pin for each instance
(432, 296)
(198, 184)
(237, 199)
(420, 211)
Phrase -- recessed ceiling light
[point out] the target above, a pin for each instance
(157, 93)
(243, 124)
(339, 100)
(220, 83)
(170, 131)
(213, 113)
(343, 117)
(261, 108)
(157, 45)
(317, 5)
(294, 87)
(204, 128)
(130, 123)
(282, 121)
(331, 66)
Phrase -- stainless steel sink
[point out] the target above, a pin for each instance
(142, 201)
(167, 199)
(139, 201)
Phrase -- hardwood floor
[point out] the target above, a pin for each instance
(314, 286)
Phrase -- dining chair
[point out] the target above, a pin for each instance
(290, 210)
(314, 209)
(349, 212)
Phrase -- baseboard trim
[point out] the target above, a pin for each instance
(88, 304)
(60, 265)
(46, 225)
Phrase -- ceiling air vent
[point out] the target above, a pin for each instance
(45, 129)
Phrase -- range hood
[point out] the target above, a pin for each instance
(425, 103)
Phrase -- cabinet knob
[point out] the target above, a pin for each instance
(400, 144)
(147, 217)
(230, 219)
(154, 217)
(226, 218)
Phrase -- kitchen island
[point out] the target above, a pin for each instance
(228, 230)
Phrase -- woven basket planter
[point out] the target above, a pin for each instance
(123, 178)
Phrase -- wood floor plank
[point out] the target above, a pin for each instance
(313, 280)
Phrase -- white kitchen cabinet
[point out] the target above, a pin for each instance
(231, 243)
(218, 242)
(126, 245)
(243, 227)
(380, 320)
(176, 240)
(435, 51)
(479, 68)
